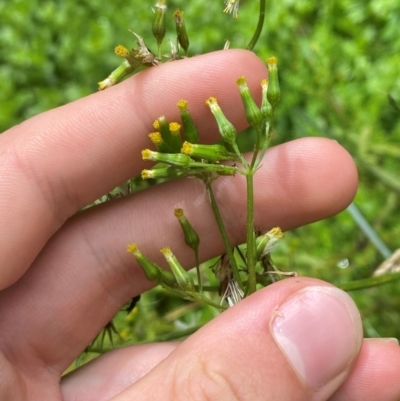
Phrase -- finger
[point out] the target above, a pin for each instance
(85, 275)
(375, 375)
(59, 161)
(108, 375)
(278, 344)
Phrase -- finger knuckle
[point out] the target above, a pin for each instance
(205, 380)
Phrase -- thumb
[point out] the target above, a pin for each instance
(294, 340)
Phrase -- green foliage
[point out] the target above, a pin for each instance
(338, 63)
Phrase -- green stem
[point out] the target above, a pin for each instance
(208, 288)
(251, 257)
(256, 145)
(268, 133)
(369, 282)
(224, 235)
(200, 282)
(162, 338)
(259, 28)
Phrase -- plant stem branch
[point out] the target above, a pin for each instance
(369, 282)
(224, 235)
(251, 257)
(259, 27)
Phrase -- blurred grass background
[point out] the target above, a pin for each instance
(338, 62)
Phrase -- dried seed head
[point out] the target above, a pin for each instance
(232, 7)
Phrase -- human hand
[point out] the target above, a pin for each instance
(64, 275)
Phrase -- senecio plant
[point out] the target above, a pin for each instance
(177, 153)
(176, 157)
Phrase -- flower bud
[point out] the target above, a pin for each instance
(128, 55)
(253, 113)
(159, 27)
(226, 128)
(151, 270)
(116, 76)
(176, 140)
(162, 125)
(266, 109)
(212, 153)
(183, 279)
(274, 92)
(267, 242)
(192, 239)
(181, 33)
(191, 133)
(158, 142)
(167, 278)
(175, 159)
(163, 173)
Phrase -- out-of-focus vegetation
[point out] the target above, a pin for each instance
(338, 62)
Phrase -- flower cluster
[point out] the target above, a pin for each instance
(142, 56)
(178, 154)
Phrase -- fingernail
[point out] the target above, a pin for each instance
(319, 330)
(384, 340)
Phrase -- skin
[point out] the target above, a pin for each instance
(64, 274)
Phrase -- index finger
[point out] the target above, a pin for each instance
(61, 160)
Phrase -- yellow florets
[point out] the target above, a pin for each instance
(276, 232)
(121, 51)
(147, 174)
(182, 104)
(146, 154)
(156, 138)
(156, 124)
(186, 148)
(211, 101)
(174, 128)
(178, 14)
(132, 248)
(241, 81)
(166, 251)
(178, 213)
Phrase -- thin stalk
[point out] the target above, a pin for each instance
(369, 282)
(199, 280)
(165, 337)
(208, 288)
(268, 130)
(251, 257)
(241, 158)
(260, 24)
(256, 146)
(224, 235)
(369, 231)
(241, 254)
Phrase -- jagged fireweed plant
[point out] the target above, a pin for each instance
(179, 154)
